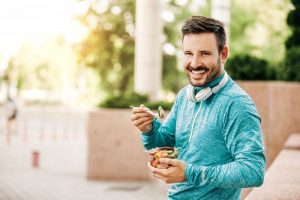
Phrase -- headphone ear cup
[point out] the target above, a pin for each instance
(203, 94)
(190, 93)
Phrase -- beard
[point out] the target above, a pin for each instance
(211, 73)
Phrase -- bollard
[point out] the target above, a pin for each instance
(8, 132)
(35, 159)
(54, 134)
(42, 134)
(25, 132)
(65, 132)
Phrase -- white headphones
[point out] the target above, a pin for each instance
(205, 93)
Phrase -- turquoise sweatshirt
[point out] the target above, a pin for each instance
(219, 139)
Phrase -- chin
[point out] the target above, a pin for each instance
(198, 83)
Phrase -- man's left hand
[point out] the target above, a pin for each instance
(175, 173)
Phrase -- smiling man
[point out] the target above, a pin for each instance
(213, 123)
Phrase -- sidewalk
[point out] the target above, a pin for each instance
(61, 175)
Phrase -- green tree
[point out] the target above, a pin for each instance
(50, 66)
(247, 67)
(109, 47)
(261, 31)
(291, 66)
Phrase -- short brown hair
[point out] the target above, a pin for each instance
(201, 24)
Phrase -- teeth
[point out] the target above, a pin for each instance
(202, 71)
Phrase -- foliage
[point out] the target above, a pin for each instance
(45, 66)
(291, 65)
(246, 67)
(109, 47)
(261, 31)
(132, 99)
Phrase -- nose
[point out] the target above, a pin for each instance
(196, 62)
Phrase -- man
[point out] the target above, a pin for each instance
(11, 116)
(213, 122)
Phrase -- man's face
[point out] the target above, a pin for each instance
(202, 61)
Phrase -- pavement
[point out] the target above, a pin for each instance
(60, 138)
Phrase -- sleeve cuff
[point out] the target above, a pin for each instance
(188, 173)
(155, 124)
(195, 175)
(148, 138)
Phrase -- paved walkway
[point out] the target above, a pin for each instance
(61, 175)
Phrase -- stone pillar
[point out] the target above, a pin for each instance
(221, 10)
(148, 48)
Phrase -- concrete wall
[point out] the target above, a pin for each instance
(115, 150)
(279, 106)
(282, 179)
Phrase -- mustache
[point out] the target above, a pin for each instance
(197, 68)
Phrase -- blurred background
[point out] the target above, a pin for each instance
(61, 61)
(82, 52)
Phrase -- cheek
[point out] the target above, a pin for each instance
(214, 62)
(186, 63)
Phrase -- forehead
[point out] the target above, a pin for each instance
(199, 41)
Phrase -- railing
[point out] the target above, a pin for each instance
(39, 125)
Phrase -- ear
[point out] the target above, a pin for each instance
(224, 55)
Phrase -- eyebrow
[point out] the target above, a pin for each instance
(201, 51)
(206, 51)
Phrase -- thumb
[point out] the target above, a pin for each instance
(144, 107)
(169, 161)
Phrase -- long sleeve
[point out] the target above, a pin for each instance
(162, 134)
(243, 139)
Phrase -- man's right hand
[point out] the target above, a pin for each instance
(142, 118)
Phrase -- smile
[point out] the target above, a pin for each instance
(201, 71)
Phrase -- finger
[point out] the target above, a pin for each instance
(157, 171)
(162, 166)
(147, 122)
(147, 126)
(138, 109)
(159, 177)
(142, 108)
(140, 115)
(152, 113)
(154, 170)
(150, 166)
(169, 161)
(143, 121)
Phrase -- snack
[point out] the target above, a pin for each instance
(161, 112)
(162, 152)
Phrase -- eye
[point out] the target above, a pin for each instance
(188, 53)
(205, 53)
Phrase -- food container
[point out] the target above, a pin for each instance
(162, 152)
